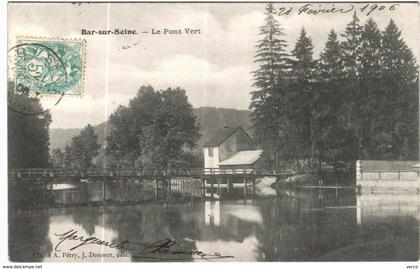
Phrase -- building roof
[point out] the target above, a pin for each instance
(368, 165)
(246, 157)
(220, 136)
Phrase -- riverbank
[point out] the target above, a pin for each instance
(301, 180)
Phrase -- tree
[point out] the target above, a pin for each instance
(370, 91)
(338, 143)
(370, 61)
(304, 95)
(397, 59)
(334, 139)
(123, 144)
(57, 158)
(271, 57)
(351, 111)
(380, 107)
(351, 48)
(27, 126)
(270, 81)
(82, 149)
(359, 101)
(399, 109)
(331, 66)
(154, 130)
(303, 65)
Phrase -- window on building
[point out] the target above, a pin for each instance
(210, 152)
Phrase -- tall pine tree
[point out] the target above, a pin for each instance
(303, 65)
(350, 55)
(359, 102)
(399, 107)
(267, 103)
(303, 95)
(335, 139)
(370, 49)
(397, 58)
(331, 66)
(370, 91)
(351, 47)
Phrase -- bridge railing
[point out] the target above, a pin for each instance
(62, 172)
(241, 171)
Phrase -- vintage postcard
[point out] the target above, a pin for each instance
(202, 132)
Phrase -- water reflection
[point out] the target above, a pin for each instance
(89, 225)
(288, 225)
(212, 213)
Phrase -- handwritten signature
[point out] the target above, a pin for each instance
(161, 249)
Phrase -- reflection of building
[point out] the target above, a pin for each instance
(373, 207)
(231, 149)
(232, 221)
(212, 213)
(393, 217)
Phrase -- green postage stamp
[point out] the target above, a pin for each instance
(50, 65)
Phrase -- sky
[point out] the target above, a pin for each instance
(213, 67)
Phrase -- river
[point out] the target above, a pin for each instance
(217, 225)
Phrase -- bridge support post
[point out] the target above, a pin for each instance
(218, 186)
(253, 186)
(203, 187)
(168, 188)
(336, 191)
(211, 188)
(103, 190)
(156, 189)
(244, 180)
(44, 189)
(228, 185)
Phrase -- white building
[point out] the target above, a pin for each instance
(230, 149)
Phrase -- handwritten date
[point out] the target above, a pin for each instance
(315, 9)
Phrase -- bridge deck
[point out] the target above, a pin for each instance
(37, 173)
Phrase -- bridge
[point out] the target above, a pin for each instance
(211, 183)
(103, 174)
(47, 181)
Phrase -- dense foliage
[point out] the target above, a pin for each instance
(80, 153)
(210, 120)
(359, 100)
(156, 130)
(27, 126)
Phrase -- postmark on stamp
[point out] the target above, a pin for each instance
(49, 66)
